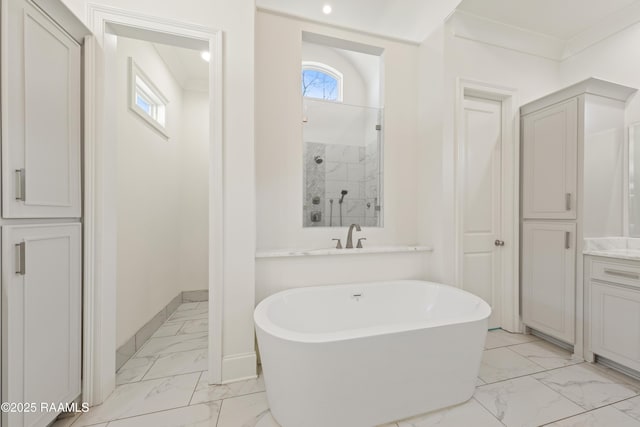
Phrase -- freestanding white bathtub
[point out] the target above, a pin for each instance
(360, 355)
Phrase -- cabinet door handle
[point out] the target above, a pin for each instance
(625, 274)
(21, 258)
(567, 236)
(567, 201)
(20, 185)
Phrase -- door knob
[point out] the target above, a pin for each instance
(499, 243)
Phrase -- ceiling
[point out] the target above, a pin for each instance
(186, 65)
(414, 20)
(410, 20)
(562, 19)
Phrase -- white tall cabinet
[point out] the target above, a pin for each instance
(41, 213)
(571, 187)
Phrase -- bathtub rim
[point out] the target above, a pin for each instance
(264, 324)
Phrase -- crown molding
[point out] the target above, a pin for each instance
(468, 26)
(608, 27)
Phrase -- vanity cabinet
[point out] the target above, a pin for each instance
(548, 278)
(571, 188)
(40, 116)
(614, 288)
(550, 162)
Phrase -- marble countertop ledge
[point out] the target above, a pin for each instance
(631, 254)
(613, 247)
(281, 253)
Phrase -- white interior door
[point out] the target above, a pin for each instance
(482, 202)
(41, 335)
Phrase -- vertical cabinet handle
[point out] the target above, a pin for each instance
(20, 185)
(567, 201)
(20, 259)
(567, 235)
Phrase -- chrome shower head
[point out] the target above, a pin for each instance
(318, 160)
(343, 193)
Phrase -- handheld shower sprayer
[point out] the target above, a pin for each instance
(343, 193)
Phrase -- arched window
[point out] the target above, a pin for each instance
(321, 81)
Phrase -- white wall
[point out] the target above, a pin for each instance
(279, 145)
(148, 192)
(236, 19)
(279, 165)
(445, 58)
(612, 59)
(194, 192)
(162, 195)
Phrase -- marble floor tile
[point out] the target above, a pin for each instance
(66, 421)
(187, 306)
(194, 326)
(194, 314)
(143, 397)
(164, 345)
(587, 386)
(603, 417)
(168, 330)
(203, 415)
(206, 393)
(545, 354)
(631, 407)
(470, 413)
(134, 369)
(251, 410)
(183, 362)
(500, 338)
(500, 364)
(525, 402)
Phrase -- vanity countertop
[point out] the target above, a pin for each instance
(613, 247)
(279, 253)
(632, 254)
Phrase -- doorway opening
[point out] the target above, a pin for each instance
(153, 195)
(487, 201)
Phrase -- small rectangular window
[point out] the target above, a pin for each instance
(146, 100)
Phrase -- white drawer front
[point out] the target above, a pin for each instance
(615, 272)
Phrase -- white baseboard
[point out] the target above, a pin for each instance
(239, 367)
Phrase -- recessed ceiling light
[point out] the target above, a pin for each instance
(205, 55)
(326, 9)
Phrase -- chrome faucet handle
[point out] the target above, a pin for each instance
(359, 245)
(339, 244)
